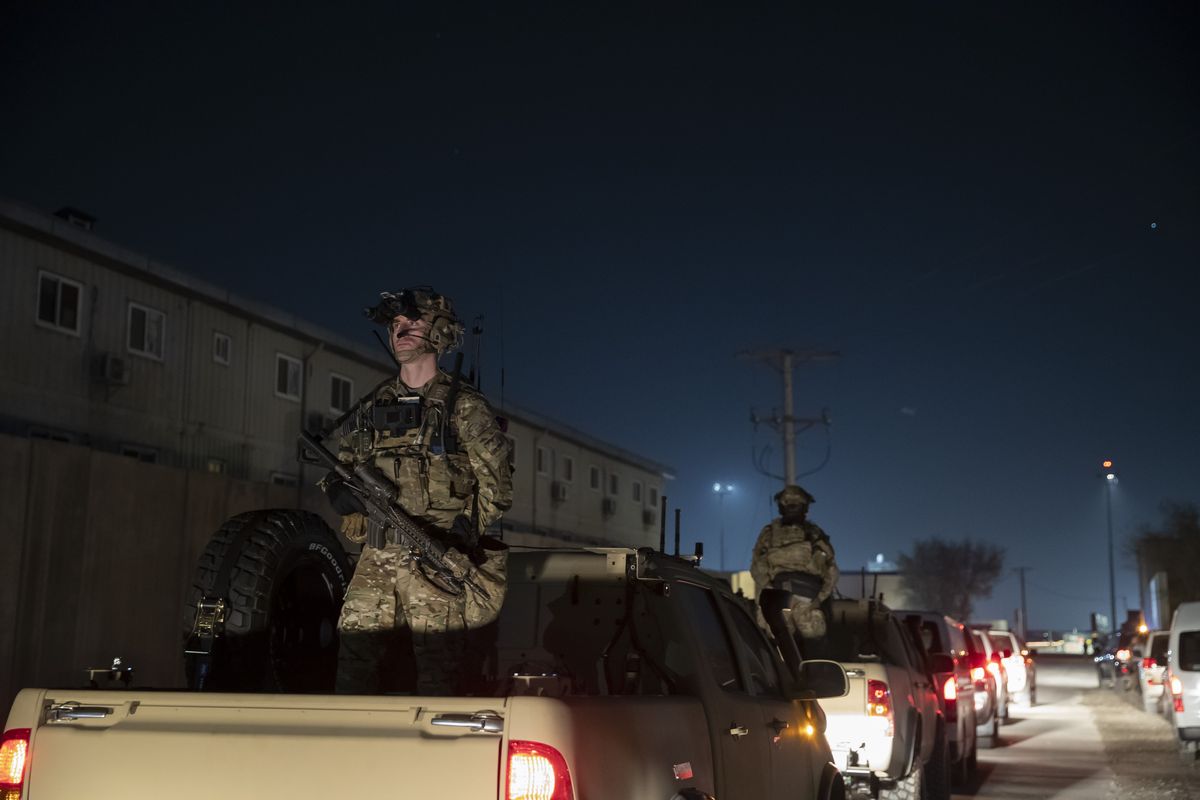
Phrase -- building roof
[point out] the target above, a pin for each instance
(60, 232)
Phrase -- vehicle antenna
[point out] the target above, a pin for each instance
(677, 512)
(662, 526)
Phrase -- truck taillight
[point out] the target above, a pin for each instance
(950, 689)
(537, 771)
(1123, 655)
(977, 673)
(1149, 663)
(1177, 694)
(879, 703)
(14, 756)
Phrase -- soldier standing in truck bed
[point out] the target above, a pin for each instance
(440, 444)
(793, 553)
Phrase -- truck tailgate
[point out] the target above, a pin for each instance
(184, 745)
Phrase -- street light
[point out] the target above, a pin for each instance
(1110, 479)
(720, 490)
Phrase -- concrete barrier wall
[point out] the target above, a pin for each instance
(97, 553)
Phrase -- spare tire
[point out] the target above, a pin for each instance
(282, 574)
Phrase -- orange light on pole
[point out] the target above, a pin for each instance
(1106, 464)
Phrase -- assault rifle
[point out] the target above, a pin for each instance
(378, 496)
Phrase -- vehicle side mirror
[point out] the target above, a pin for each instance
(1006, 652)
(820, 679)
(941, 662)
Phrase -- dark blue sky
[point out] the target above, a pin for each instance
(992, 214)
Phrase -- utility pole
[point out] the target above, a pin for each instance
(1109, 474)
(784, 361)
(1024, 626)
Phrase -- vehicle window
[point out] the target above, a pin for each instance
(977, 642)
(1158, 647)
(958, 642)
(915, 657)
(1189, 651)
(701, 609)
(763, 677)
(999, 641)
(853, 635)
(931, 636)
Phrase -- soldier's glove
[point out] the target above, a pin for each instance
(342, 497)
(354, 527)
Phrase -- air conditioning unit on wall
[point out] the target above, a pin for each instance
(558, 492)
(112, 370)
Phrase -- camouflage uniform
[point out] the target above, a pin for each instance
(792, 544)
(454, 474)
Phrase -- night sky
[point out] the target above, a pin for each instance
(993, 214)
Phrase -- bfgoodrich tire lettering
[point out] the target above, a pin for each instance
(286, 574)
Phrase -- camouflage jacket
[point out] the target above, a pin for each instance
(794, 548)
(448, 465)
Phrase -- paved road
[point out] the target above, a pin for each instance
(1082, 743)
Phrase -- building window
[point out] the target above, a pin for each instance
(146, 326)
(614, 485)
(215, 465)
(341, 393)
(637, 491)
(283, 479)
(52, 435)
(543, 461)
(147, 454)
(287, 377)
(222, 344)
(652, 496)
(594, 478)
(58, 303)
(568, 469)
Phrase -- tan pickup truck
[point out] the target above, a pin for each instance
(617, 675)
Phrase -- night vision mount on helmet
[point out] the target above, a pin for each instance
(421, 302)
(793, 496)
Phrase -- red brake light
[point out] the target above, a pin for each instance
(879, 699)
(1123, 654)
(14, 755)
(537, 771)
(950, 688)
(1148, 663)
(1177, 693)
(977, 673)
(879, 703)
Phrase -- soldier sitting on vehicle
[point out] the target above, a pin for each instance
(793, 553)
(440, 444)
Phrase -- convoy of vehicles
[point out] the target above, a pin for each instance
(614, 673)
(990, 689)
(888, 733)
(944, 636)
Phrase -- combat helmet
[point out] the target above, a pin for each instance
(793, 497)
(417, 302)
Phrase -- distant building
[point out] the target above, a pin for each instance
(106, 348)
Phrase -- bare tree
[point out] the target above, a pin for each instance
(1172, 547)
(949, 576)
